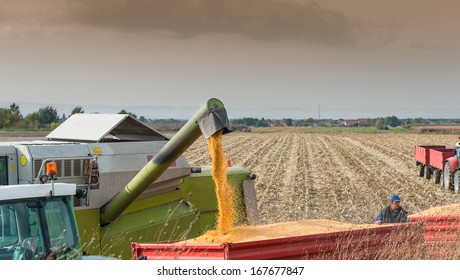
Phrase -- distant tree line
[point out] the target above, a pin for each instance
(45, 118)
(11, 118)
(390, 121)
(48, 118)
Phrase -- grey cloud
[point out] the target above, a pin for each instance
(3, 16)
(433, 46)
(27, 10)
(258, 19)
(418, 46)
(25, 18)
(277, 20)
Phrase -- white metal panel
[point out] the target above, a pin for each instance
(127, 148)
(96, 127)
(86, 127)
(35, 190)
(59, 151)
(24, 165)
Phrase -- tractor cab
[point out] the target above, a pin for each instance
(37, 222)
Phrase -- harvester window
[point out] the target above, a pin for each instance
(21, 235)
(36, 228)
(3, 170)
(60, 228)
(8, 227)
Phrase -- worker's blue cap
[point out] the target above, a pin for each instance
(395, 197)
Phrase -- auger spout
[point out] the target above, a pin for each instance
(209, 119)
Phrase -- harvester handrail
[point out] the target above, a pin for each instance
(40, 171)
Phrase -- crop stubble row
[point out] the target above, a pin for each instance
(345, 177)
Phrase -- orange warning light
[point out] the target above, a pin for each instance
(51, 168)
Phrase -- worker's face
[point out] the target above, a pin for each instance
(394, 205)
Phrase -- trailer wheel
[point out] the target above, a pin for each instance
(428, 172)
(447, 176)
(420, 170)
(456, 181)
(437, 176)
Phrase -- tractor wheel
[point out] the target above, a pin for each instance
(420, 170)
(437, 176)
(447, 177)
(428, 172)
(441, 179)
(456, 181)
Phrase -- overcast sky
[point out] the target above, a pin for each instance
(262, 58)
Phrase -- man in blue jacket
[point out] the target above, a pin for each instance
(393, 213)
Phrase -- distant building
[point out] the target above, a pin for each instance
(355, 122)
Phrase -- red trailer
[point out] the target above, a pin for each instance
(442, 235)
(430, 160)
(360, 244)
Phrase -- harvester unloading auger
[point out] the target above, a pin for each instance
(105, 156)
(209, 119)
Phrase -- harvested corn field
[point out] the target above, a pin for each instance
(347, 177)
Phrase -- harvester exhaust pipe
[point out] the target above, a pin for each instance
(209, 119)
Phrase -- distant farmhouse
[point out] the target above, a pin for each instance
(355, 122)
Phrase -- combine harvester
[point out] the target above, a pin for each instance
(133, 182)
(440, 162)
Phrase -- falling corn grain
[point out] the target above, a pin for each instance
(224, 192)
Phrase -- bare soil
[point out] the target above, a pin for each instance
(22, 135)
(343, 177)
(447, 129)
